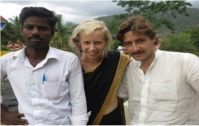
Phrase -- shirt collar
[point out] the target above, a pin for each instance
(20, 54)
(157, 54)
(50, 55)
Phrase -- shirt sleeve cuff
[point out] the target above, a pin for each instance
(122, 96)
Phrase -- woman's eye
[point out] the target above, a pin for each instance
(86, 43)
(98, 43)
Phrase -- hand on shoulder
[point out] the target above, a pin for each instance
(15, 46)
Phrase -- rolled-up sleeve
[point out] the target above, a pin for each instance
(192, 70)
(77, 95)
(122, 90)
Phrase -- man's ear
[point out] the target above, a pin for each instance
(154, 40)
(158, 43)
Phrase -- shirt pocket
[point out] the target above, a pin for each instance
(51, 89)
(164, 90)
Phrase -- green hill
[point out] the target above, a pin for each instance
(181, 22)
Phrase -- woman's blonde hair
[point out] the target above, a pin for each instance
(89, 27)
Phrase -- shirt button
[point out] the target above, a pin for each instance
(32, 82)
(38, 121)
(36, 108)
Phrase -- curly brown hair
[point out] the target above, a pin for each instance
(138, 24)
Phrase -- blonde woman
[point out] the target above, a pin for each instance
(102, 72)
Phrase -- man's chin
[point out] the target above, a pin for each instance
(38, 47)
(137, 58)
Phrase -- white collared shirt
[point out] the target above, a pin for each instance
(167, 94)
(59, 99)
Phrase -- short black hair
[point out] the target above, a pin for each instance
(38, 11)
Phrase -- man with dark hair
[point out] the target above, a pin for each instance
(47, 82)
(162, 87)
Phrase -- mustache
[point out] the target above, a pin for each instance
(138, 52)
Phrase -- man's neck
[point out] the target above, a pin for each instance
(147, 63)
(35, 56)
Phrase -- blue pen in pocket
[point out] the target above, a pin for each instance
(43, 78)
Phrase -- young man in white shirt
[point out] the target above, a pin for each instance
(47, 82)
(162, 87)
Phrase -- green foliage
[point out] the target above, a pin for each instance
(11, 31)
(113, 25)
(4, 48)
(180, 23)
(150, 10)
(61, 36)
(195, 37)
(180, 42)
(115, 44)
(16, 23)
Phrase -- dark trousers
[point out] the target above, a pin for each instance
(116, 117)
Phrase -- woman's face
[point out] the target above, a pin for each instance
(93, 45)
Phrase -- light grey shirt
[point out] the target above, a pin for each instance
(167, 94)
(57, 99)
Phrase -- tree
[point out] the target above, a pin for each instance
(11, 32)
(62, 33)
(113, 25)
(16, 23)
(195, 37)
(180, 42)
(16, 28)
(158, 13)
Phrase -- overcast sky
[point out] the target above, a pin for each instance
(75, 11)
